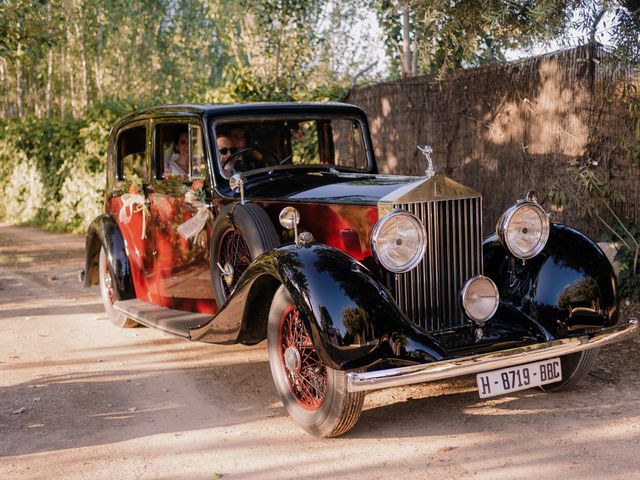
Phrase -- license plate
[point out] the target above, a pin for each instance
(519, 377)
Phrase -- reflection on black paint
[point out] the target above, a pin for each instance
(357, 325)
(549, 293)
(568, 287)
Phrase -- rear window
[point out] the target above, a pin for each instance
(132, 153)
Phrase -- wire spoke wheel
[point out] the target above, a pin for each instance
(234, 251)
(109, 294)
(104, 271)
(306, 374)
(240, 234)
(314, 394)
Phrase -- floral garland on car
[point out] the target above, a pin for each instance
(196, 197)
(134, 202)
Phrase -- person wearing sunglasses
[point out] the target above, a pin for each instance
(226, 151)
(235, 152)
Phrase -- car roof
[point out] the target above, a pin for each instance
(242, 109)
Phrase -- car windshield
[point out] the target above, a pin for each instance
(245, 145)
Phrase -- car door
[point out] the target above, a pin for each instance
(178, 193)
(129, 204)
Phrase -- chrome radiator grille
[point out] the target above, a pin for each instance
(429, 293)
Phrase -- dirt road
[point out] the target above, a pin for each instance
(80, 399)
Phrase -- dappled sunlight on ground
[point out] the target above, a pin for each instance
(104, 403)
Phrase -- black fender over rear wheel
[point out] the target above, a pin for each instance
(110, 294)
(315, 395)
(574, 367)
(241, 233)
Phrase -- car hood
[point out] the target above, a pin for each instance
(327, 187)
(336, 188)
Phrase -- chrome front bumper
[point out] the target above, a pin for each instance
(395, 377)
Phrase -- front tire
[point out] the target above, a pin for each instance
(315, 395)
(241, 233)
(110, 294)
(574, 367)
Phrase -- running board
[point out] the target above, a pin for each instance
(175, 322)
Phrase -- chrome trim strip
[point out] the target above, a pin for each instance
(431, 267)
(395, 377)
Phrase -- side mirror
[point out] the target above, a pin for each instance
(236, 182)
(289, 218)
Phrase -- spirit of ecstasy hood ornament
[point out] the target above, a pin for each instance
(427, 151)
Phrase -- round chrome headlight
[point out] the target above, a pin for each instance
(398, 241)
(480, 298)
(524, 229)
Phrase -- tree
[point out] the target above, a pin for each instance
(58, 57)
(620, 22)
(452, 34)
(287, 50)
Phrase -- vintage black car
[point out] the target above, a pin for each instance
(243, 223)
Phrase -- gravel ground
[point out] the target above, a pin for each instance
(80, 399)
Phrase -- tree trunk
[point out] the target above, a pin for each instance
(34, 96)
(97, 74)
(63, 92)
(5, 89)
(84, 98)
(19, 81)
(49, 75)
(414, 59)
(85, 79)
(406, 41)
(72, 78)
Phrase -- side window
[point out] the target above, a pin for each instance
(179, 151)
(132, 151)
(198, 164)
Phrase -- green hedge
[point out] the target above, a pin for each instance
(52, 171)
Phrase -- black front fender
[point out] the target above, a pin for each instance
(570, 287)
(104, 232)
(353, 320)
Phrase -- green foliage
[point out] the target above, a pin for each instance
(60, 57)
(66, 69)
(388, 15)
(52, 171)
(23, 190)
(243, 85)
(595, 197)
(620, 21)
(46, 144)
(627, 257)
(589, 191)
(454, 34)
(21, 25)
(278, 49)
(630, 97)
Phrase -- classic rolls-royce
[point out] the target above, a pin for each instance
(244, 223)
